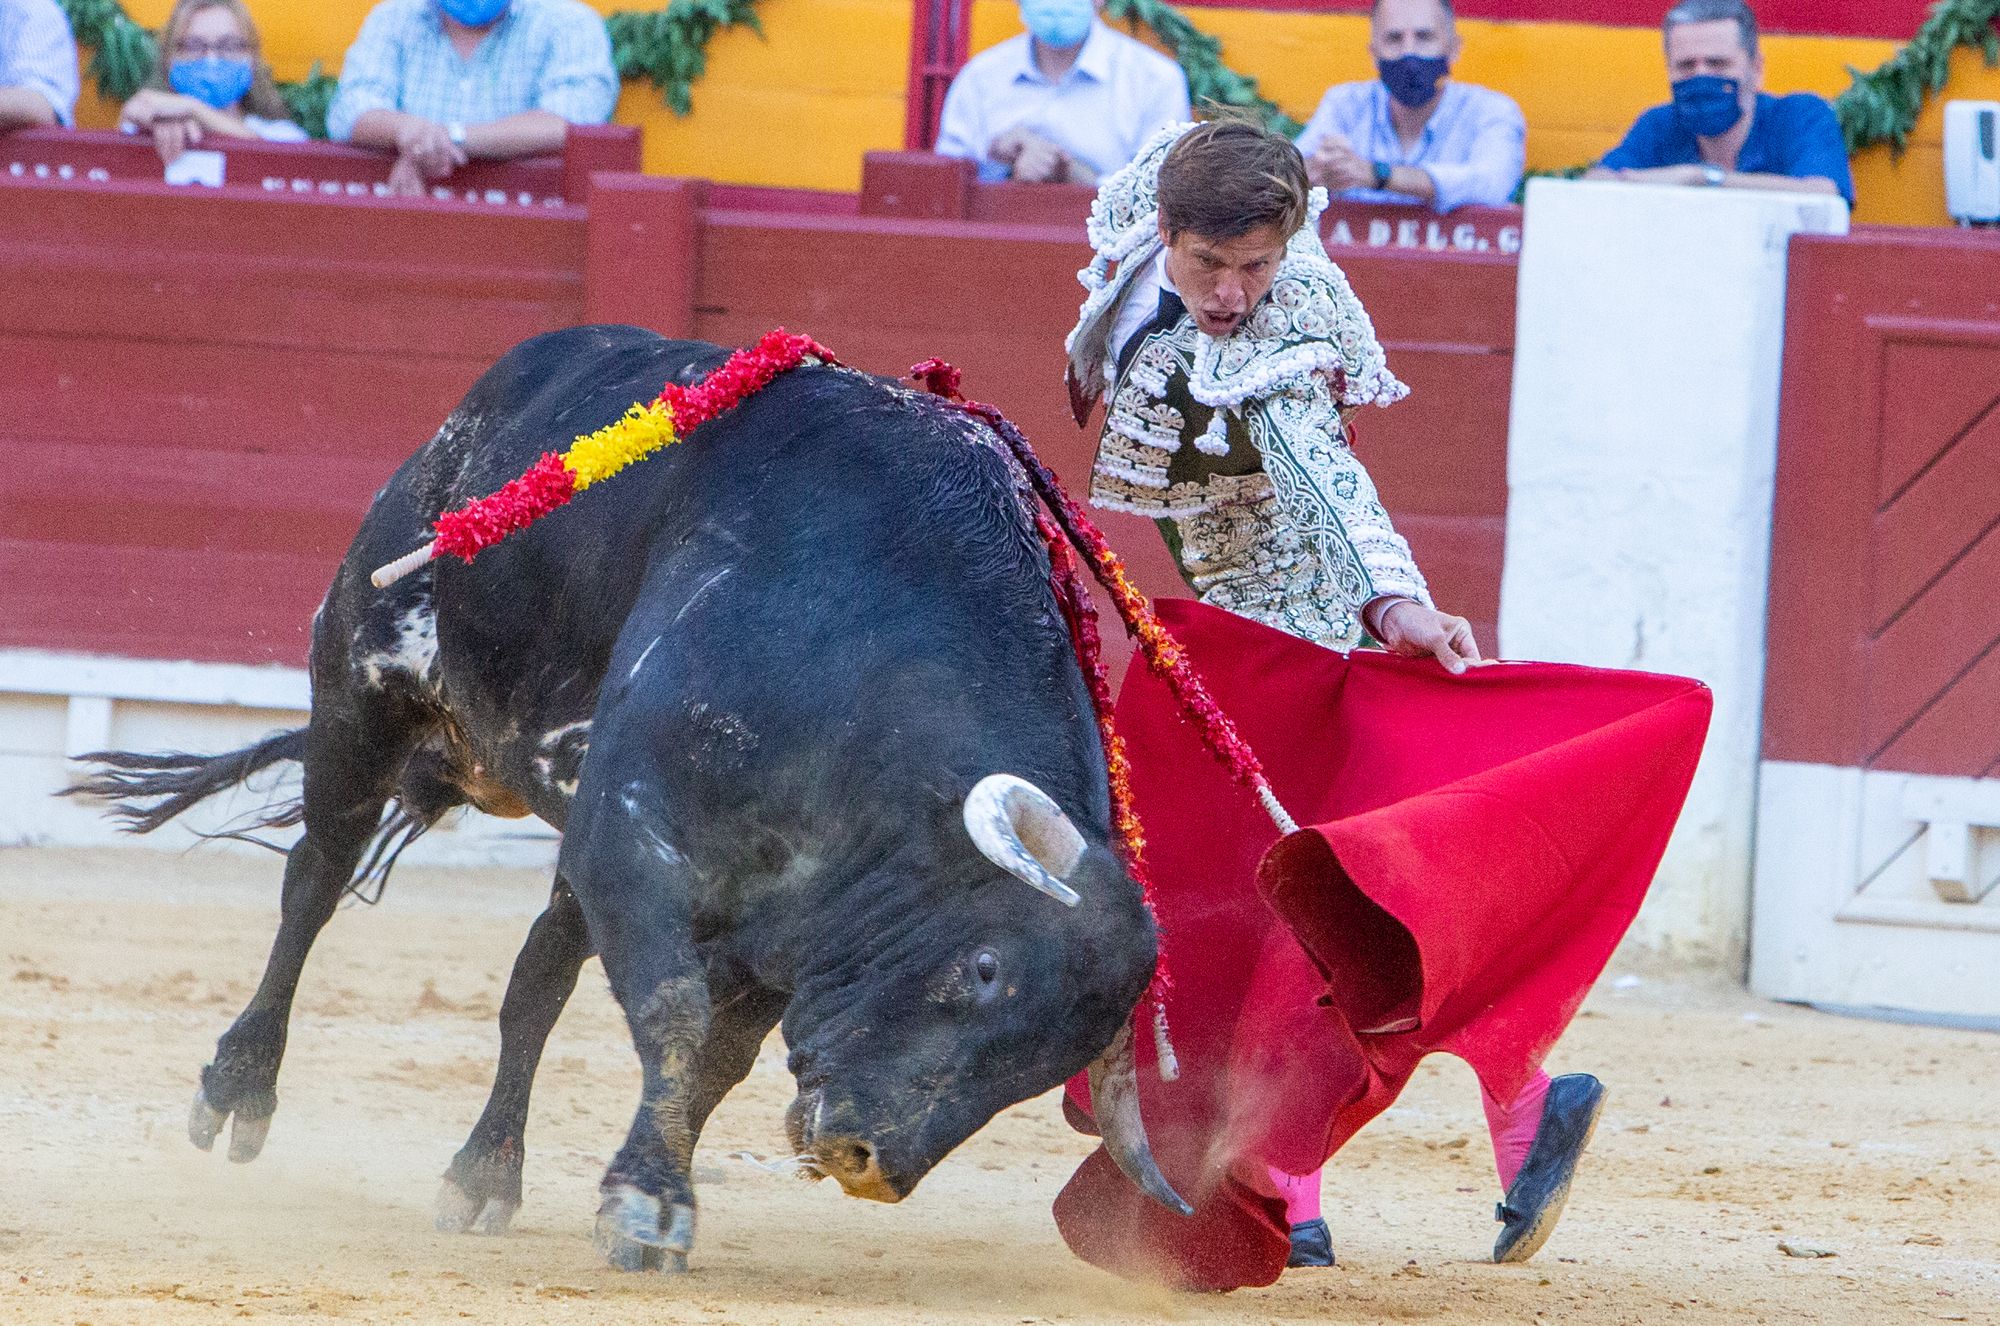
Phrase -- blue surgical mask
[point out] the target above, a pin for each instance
(474, 13)
(1413, 79)
(219, 82)
(1058, 23)
(1707, 105)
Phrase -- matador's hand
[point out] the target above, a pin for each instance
(1407, 627)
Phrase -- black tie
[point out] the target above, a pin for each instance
(1171, 311)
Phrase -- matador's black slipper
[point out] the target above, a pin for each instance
(1312, 1244)
(1534, 1201)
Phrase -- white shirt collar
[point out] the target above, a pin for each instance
(1093, 61)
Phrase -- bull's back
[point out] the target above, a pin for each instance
(844, 560)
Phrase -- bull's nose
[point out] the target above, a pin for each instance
(853, 1164)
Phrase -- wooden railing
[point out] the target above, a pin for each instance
(204, 387)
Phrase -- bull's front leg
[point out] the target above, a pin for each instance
(482, 1189)
(636, 891)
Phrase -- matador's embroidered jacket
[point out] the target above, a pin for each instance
(1238, 445)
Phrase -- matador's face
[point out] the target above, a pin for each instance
(1221, 280)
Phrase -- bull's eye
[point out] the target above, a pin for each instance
(986, 967)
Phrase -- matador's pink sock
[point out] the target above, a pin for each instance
(1301, 1194)
(1514, 1124)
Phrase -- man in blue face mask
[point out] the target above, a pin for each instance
(1415, 135)
(438, 82)
(1721, 128)
(1067, 101)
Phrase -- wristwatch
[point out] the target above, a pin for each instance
(456, 132)
(1712, 174)
(1382, 172)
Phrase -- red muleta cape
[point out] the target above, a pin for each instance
(1477, 847)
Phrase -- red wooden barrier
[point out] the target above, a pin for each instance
(212, 382)
(327, 169)
(1885, 558)
(925, 186)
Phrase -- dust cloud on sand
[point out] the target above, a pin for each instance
(1735, 1129)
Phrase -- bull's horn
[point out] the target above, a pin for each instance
(1114, 1099)
(1016, 826)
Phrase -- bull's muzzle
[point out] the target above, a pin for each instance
(853, 1164)
(830, 1150)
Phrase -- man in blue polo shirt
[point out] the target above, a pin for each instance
(1722, 129)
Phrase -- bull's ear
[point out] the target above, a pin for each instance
(1021, 829)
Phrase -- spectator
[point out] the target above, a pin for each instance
(1721, 127)
(440, 81)
(210, 78)
(1069, 100)
(38, 78)
(1414, 135)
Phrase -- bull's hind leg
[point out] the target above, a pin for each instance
(352, 757)
(482, 1188)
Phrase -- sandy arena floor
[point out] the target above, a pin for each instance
(1734, 1126)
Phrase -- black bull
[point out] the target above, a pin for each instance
(794, 648)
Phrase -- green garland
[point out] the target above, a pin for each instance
(670, 46)
(310, 99)
(122, 52)
(666, 46)
(1210, 82)
(1883, 105)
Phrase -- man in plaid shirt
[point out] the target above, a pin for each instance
(439, 82)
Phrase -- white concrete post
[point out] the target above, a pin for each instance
(1640, 457)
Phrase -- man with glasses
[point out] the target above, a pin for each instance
(38, 75)
(439, 82)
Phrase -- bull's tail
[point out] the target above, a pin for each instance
(145, 791)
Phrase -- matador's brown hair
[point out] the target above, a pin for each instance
(1230, 176)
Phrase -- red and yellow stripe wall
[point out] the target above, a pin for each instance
(826, 83)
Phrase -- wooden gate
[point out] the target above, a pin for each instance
(1879, 819)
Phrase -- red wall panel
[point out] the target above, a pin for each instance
(203, 389)
(997, 301)
(1885, 561)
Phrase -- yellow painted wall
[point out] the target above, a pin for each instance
(827, 84)
(1581, 87)
(797, 108)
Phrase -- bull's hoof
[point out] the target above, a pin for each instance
(246, 1135)
(204, 1121)
(458, 1211)
(481, 1189)
(631, 1236)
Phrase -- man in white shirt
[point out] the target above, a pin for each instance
(1069, 100)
